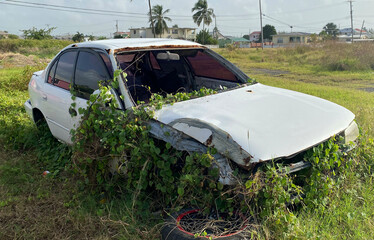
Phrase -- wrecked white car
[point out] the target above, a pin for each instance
(247, 122)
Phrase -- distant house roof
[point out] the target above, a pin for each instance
(255, 32)
(3, 33)
(349, 31)
(293, 34)
(236, 39)
(122, 33)
(359, 30)
(188, 28)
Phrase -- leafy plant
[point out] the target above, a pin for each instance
(38, 34)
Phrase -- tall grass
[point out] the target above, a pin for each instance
(330, 56)
(40, 48)
(25, 194)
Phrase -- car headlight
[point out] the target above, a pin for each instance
(351, 133)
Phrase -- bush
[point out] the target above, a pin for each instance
(203, 37)
(38, 34)
(13, 36)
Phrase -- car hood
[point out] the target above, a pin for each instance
(266, 122)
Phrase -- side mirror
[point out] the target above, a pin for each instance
(168, 56)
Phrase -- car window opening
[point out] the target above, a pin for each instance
(169, 72)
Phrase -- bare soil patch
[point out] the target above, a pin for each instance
(368, 89)
(270, 71)
(18, 60)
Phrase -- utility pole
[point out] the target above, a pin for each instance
(151, 18)
(215, 33)
(262, 32)
(350, 3)
(363, 22)
(117, 26)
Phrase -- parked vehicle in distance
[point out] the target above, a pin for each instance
(246, 122)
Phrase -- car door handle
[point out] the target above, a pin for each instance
(72, 112)
(44, 97)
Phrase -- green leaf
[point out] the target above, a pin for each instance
(180, 191)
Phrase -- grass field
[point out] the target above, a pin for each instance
(33, 206)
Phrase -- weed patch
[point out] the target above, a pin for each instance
(334, 202)
(41, 48)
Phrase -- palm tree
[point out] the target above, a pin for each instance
(203, 13)
(157, 17)
(150, 14)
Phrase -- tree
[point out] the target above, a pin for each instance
(203, 37)
(246, 36)
(158, 19)
(150, 15)
(202, 14)
(331, 30)
(91, 38)
(268, 30)
(38, 34)
(78, 37)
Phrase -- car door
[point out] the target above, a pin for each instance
(92, 67)
(80, 69)
(56, 94)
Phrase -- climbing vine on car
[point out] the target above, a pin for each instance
(113, 152)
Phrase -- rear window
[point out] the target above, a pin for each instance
(205, 65)
(65, 70)
(108, 63)
(90, 71)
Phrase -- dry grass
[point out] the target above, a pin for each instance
(9, 59)
(36, 207)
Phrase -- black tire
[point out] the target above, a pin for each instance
(173, 228)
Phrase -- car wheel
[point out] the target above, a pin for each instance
(191, 223)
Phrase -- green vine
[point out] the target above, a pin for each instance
(113, 152)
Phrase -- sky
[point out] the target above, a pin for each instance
(233, 17)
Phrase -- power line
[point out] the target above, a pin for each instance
(308, 9)
(350, 4)
(101, 11)
(66, 10)
(75, 8)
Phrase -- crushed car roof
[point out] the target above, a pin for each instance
(137, 43)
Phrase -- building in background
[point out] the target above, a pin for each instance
(284, 39)
(121, 34)
(172, 32)
(3, 34)
(348, 31)
(255, 36)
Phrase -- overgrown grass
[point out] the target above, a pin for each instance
(56, 206)
(41, 48)
(326, 57)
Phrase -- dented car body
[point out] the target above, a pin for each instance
(246, 122)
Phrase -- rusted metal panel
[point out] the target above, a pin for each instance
(129, 49)
(218, 139)
(183, 142)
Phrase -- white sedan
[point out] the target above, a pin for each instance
(246, 122)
